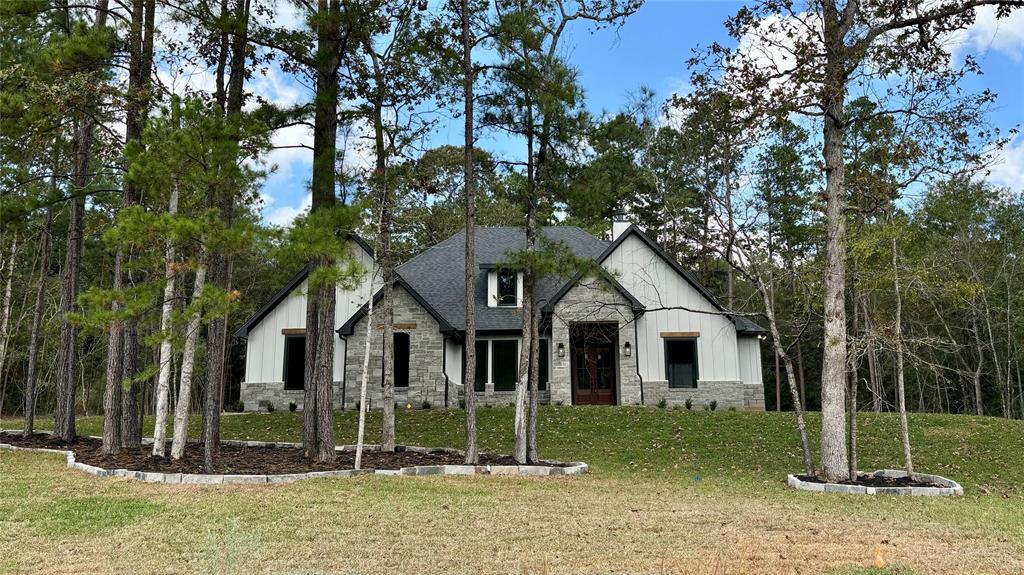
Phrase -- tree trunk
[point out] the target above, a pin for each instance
(801, 426)
(37, 320)
(833, 381)
(800, 373)
(115, 354)
(469, 181)
(363, 408)
(131, 417)
(182, 407)
(166, 350)
(873, 377)
(67, 354)
(900, 389)
(978, 401)
(384, 229)
(5, 314)
(531, 431)
(523, 373)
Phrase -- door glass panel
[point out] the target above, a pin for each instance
(603, 367)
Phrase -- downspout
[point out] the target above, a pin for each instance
(444, 367)
(636, 357)
(344, 371)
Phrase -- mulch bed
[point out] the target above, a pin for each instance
(236, 460)
(868, 480)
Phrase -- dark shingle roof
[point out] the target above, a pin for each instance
(438, 274)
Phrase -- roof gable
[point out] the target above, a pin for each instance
(293, 283)
(742, 324)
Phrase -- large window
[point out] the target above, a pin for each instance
(681, 363)
(505, 363)
(507, 288)
(401, 350)
(295, 362)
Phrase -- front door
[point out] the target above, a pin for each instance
(594, 370)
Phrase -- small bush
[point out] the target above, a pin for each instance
(559, 403)
(689, 403)
(732, 408)
(662, 404)
(712, 406)
(425, 404)
(270, 408)
(292, 406)
(462, 404)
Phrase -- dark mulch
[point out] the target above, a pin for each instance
(237, 460)
(869, 480)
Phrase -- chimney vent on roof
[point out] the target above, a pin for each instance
(619, 225)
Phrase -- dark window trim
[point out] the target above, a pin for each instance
(284, 369)
(696, 361)
(515, 288)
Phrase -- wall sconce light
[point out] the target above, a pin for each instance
(627, 350)
(561, 350)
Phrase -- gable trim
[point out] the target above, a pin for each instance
(348, 328)
(634, 303)
(280, 295)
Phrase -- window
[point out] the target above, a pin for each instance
(401, 350)
(507, 288)
(481, 366)
(681, 363)
(545, 364)
(505, 364)
(294, 362)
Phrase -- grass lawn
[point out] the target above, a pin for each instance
(669, 492)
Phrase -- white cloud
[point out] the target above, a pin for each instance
(284, 215)
(1008, 170)
(990, 34)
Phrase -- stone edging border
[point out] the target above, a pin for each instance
(572, 468)
(950, 487)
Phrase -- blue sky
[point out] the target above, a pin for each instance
(651, 50)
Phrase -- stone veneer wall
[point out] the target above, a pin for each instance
(728, 394)
(593, 301)
(426, 357)
(256, 396)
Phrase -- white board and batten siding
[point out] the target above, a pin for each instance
(655, 284)
(750, 359)
(264, 358)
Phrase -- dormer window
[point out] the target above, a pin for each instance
(507, 288)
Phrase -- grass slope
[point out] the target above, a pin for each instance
(670, 492)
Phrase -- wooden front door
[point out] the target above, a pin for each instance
(594, 369)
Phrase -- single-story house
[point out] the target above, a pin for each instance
(638, 330)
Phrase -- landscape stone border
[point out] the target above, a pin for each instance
(556, 467)
(949, 487)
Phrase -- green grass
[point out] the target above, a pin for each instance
(670, 491)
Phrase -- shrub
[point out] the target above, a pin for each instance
(662, 403)
(732, 408)
(689, 403)
(713, 405)
(292, 406)
(462, 404)
(425, 404)
(270, 408)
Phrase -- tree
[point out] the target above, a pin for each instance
(538, 100)
(832, 48)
